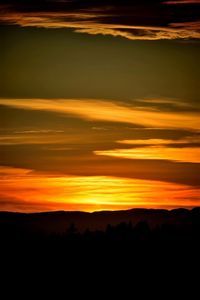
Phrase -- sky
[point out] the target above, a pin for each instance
(99, 104)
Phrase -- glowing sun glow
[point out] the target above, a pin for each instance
(44, 192)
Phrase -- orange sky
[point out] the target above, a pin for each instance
(99, 107)
(24, 190)
(96, 167)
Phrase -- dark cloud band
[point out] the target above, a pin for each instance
(150, 20)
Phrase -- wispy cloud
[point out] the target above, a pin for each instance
(19, 138)
(154, 142)
(7, 172)
(159, 149)
(144, 32)
(23, 190)
(177, 2)
(170, 102)
(156, 153)
(111, 111)
(42, 131)
(46, 148)
(134, 20)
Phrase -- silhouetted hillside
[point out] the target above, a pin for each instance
(136, 239)
(59, 221)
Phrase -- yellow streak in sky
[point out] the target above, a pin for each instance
(28, 191)
(148, 142)
(175, 154)
(111, 111)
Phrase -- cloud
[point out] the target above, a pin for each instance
(188, 150)
(42, 131)
(32, 145)
(111, 111)
(7, 172)
(190, 140)
(145, 33)
(169, 102)
(33, 138)
(183, 2)
(85, 163)
(190, 154)
(134, 20)
(30, 191)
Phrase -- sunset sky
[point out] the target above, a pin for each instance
(99, 104)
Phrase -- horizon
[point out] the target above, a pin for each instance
(103, 211)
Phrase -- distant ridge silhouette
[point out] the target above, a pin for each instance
(59, 221)
(141, 240)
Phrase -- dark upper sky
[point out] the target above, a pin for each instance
(133, 19)
(60, 63)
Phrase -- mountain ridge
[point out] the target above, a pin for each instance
(59, 221)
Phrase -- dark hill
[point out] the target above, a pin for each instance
(59, 221)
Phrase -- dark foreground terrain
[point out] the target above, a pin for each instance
(58, 222)
(151, 246)
(136, 230)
